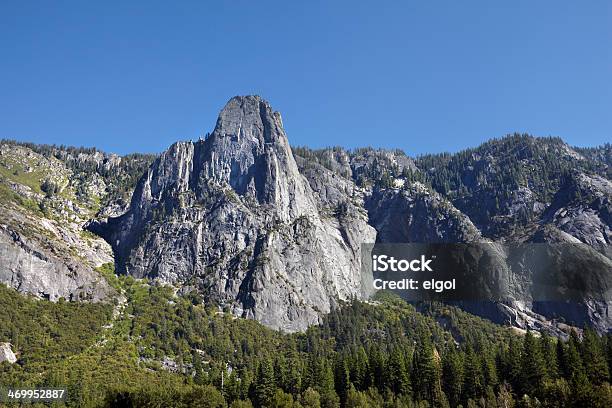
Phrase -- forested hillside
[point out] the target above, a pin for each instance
(164, 350)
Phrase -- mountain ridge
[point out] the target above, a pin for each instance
(240, 216)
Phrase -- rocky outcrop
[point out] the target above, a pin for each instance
(549, 286)
(417, 214)
(507, 187)
(28, 267)
(232, 217)
(47, 194)
(6, 353)
(582, 208)
(360, 165)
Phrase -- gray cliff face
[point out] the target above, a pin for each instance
(232, 217)
(508, 190)
(44, 202)
(30, 268)
(417, 214)
(276, 237)
(582, 208)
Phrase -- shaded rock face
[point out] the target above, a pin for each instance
(232, 217)
(418, 214)
(30, 268)
(545, 286)
(488, 201)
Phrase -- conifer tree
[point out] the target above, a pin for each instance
(280, 371)
(581, 390)
(452, 376)
(329, 398)
(594, 359)
(532, 366)
(513, 364)
(265, 386)
(200, 377)
(489, 371)
(427, 373)
(549, 353)
(231, 388)
(489, 400)
(341, 377)
(572, 359)
(397, 373)
(377, 368)
(246, 380)
(561, 354)
(473, 378)
(312, 375)
(293, 381)
(360, 368)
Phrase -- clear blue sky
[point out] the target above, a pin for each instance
(423, 76)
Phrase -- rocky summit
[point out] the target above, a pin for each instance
(272, 233)
(232, 217)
